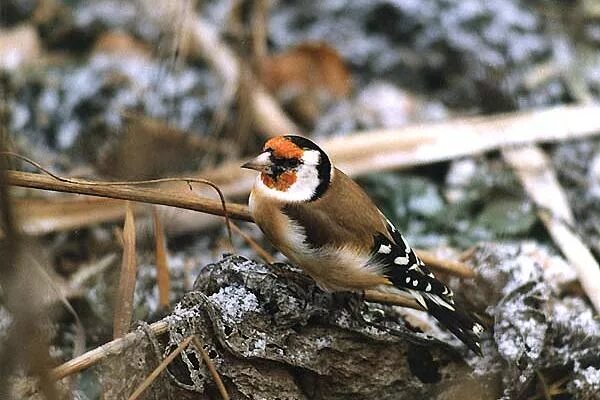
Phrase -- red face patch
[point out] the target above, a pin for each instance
(283, 181)
(284, 148)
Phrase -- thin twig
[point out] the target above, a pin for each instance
(164, 364)
(211, 368)
(188, 180)
(153, 196)
(237, 211)
(262, 253)
(98, 354)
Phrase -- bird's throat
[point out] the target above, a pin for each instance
(281, 182)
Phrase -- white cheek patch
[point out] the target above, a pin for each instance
(307, 181)
(311, 157)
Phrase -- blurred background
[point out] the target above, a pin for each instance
(129, 90)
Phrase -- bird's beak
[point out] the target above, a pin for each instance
(261, 163)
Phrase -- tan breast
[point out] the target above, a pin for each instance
(340, 260)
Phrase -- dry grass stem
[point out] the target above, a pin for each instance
(161, 367)
(153, 196)
(391, 299)
(124, 295)
(534, 170)
(162, 266)
(578, 254)
(98, 354)
(451, 267)
(211, 368)
(537, 176)
(406, 147)
(236, 211)
(189, 181)
(366, 152)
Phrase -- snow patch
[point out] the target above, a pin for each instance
(235, 302)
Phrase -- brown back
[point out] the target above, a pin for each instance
(327, 220)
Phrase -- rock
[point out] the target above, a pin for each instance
(271, 333)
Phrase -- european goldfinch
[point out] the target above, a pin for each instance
(325, 223)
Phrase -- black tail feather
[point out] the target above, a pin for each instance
(462, 324)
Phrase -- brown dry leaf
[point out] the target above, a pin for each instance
(308, 75)
(307, 66)
(162, 265)
(121, 44)
(124, 296)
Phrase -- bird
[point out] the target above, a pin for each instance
(326, 224)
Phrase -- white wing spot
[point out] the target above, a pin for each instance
(401, 260)
(385, 249)
(408, 279)
(412, 267)
(477, 328)
(431, 275)
(415, 283)
(445, 290)
(428, 288)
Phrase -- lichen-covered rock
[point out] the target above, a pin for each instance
(540, 337)
(272, 334)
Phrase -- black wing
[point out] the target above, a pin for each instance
(409, 274)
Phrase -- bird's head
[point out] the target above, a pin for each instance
(292, 168)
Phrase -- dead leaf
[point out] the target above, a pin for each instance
(121, 44)
(308, 75)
